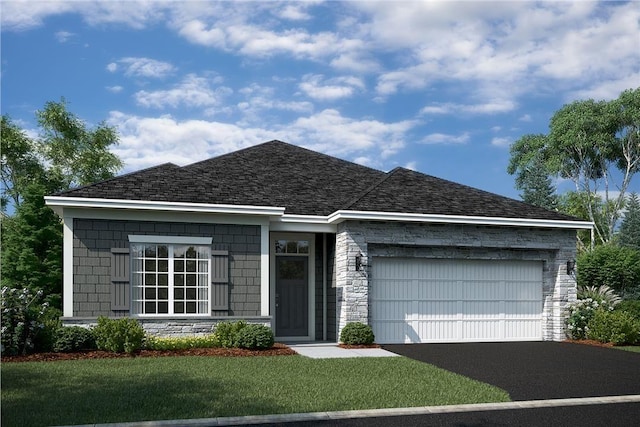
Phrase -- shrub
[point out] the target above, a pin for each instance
(590, 300)
(181, 343)
(618, 327)
(119, 335)
(255, 337)
(227, 332)
(73, 338)
(630, 306)
(22, 310)
(356, 333)
(46, 336)
(614, 266)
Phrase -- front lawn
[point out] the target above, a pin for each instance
(634, 348)
(137, 389)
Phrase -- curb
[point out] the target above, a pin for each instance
(388, 412)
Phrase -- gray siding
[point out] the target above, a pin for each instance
(92, 257)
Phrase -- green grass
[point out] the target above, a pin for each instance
(634, 348)
(137, 389)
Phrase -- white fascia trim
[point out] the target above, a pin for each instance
(78, 202)
(170, 240)
(340, 216)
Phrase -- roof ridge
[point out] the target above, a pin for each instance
(378, 183)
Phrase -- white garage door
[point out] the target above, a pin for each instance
(427, 300)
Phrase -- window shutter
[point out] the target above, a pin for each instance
(120, 279)
(219, 279)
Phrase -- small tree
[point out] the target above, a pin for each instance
(629, 234)
(537, 188)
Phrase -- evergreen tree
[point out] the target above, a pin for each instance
(629, 234)
(536, 186)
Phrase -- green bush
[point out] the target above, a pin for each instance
(590, 300)
(46, 336)
(181, 343)
(617, 327)
(630, 306)
(356, 333)
(119, 335)
(22, 312)
(255, 337)
(73, 338)
(614, 266)
(227, 332)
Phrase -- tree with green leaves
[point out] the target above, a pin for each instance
(537, 188)
(66, 153)
(629, 233)
(590, 143)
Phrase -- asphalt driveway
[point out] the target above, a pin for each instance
(536, 370)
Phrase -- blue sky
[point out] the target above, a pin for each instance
(439, 87)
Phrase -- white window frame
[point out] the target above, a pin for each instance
(170, 241)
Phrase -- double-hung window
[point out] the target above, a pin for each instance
(170, 275)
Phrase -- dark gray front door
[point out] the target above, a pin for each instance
(292, 296)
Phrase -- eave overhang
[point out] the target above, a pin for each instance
(277, 214)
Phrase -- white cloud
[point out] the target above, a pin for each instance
(330, 132)
(501, 141)
(192, 91)
(491, 107)
(114, 89)
(142, 67)
(330, 89)
(63, 36)
(295, 12)
(442, 138)
(525, 118)
(412, 166)
(148, 141)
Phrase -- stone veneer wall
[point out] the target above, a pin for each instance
(552, 246)
(93, 240)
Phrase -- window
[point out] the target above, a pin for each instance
(292, 246)
(170, 278)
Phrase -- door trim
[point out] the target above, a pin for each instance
(311, 336)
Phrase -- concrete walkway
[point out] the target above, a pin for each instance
(332, 351)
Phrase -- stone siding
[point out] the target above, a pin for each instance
(94, 238)
(175, 327)
(552, 246)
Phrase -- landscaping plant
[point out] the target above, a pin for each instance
(74, 338)
(119, 335)
(181, 343)
(227, 332)
(590, 300)
(22, 311)
(617, 327)
(357, 333)
(255, 337)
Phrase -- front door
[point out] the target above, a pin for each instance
(292, 296)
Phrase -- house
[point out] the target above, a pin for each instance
(303, 242)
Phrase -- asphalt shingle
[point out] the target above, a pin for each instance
(305, 182)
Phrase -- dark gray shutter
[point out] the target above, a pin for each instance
(219, 279)
(120, 279)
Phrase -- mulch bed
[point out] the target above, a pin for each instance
(276, 350)
(591, 342)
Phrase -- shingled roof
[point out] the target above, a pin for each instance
(305, 182)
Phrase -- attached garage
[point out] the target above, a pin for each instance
(415, 300)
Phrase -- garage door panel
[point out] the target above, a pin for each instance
(426, 300)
